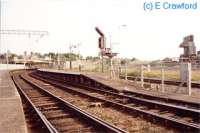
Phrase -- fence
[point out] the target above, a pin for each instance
(183, 73)
(151, 70)
(140, 71)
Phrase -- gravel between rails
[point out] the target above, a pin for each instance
(107, 113)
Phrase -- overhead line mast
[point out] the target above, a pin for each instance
(23, 32)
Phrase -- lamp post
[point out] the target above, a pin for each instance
(79, 58)
(71, 47)
(119, 28)
(119, 33)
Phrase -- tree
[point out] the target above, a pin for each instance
(70, 56)
(52, 55)
(88, 58)
(124, 61)
(134, 59)
(92, 58)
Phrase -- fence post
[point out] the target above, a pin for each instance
(142, 76)
(126, 70)
(119, 73)
(102, 64)
(111, 69)
(189, 79)
(185, 75)
(79, 67)
(163, 80)
(148, 68)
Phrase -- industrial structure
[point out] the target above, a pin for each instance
(189, 54)
(104, 51)
(198, 57)
(102, 45)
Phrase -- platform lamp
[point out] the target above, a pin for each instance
(119, 28)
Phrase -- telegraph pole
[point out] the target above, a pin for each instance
(58, 60)
(7, 62)
(102, 66)
(70, 54)
(79, 58)
(24, 59)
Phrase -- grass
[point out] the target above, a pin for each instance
(196, 75)
(169, 74)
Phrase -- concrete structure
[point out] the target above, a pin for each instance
(198, 57)
(107, 52)
(12, 116)
(123, 85)
(11, 66)
(189, 54)
(186, 75)
(198, 53)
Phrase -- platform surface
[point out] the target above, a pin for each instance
(58, 71)
(12, 116)
(120, 84)
(11, 66)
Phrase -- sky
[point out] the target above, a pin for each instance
(147, 35)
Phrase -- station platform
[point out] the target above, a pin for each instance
(12, 116)
(121, 85)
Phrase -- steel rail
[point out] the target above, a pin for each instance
(45, 122)
(147, 101)
(179, 122)
(105, 125)
(158, 81)
(102, 86)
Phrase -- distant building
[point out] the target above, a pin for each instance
(198, 53)
(198, 57)
(170, 60)
(189, 53)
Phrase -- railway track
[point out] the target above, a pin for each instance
(124, 93)
(50, 113)
(84, 81)
(182, 117)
